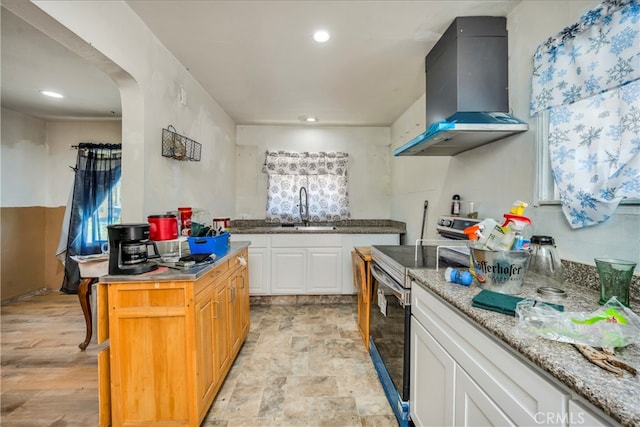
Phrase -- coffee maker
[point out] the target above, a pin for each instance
(130, 249)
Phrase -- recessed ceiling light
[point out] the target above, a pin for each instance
(51, 94)
(321, 36)
(308, 119)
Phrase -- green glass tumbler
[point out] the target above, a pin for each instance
(615, 277)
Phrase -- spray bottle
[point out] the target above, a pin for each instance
(478, 235)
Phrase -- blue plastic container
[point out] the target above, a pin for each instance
(218, 245)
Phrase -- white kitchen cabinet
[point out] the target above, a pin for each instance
(259, 262)
(288, 270)
(581, 415)
(324, 271)
(473, 407)
(491, 385)
(432, 380)
(305, 263)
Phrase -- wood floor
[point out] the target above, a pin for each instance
(46, 379)
(300, 366)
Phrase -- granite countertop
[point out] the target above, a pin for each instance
(615, 396)
(352, 226)
(163, 274)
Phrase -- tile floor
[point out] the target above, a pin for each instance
(302, 365)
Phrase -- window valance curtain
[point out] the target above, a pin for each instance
(306, 163)
(588, 77)
(324, 176)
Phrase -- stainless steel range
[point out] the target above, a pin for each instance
(390, 315)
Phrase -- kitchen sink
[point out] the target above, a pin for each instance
(315, 228)
(308, 228)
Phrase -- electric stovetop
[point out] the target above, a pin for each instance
(405, 255)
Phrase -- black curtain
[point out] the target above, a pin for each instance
(98, 169)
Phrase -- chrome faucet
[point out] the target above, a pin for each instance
(304, 209)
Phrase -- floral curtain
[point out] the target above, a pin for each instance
(324, 176)
(588, 77)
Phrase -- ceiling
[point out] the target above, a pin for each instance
(31, 61)
(257, 59)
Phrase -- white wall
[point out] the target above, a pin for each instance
(150, 78)
(36, 156)
(60, 136)
(499, 173)
(368, 170)
(23, 150)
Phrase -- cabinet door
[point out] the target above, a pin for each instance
(581, 415)
(260, 279)
(152, 374)
(432, 380)
(221, 344)
(206, 374)
(472, 405)
(288, 270)
(243, 300)
(324, 270)
(235, 317)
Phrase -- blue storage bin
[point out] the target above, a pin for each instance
(218, 245)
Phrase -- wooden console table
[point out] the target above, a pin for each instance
(84, 295)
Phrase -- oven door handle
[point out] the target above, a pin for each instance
(403, 295)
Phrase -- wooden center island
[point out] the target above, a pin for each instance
(169, 339)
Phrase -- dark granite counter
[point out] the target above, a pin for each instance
(618, 397)
(353, 226)
(164, 274)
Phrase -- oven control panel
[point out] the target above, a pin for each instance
(453, 226)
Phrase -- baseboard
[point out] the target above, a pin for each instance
(301, 299)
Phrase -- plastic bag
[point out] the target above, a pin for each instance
(611, 326)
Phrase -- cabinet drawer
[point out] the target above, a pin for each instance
(147, 296)
(517, 387)
(216, 273)
(236, 261)
(306, 240)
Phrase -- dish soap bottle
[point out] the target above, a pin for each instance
(455, 205)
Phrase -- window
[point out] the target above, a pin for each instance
(585, 87)
(322, 174)
(109, 212)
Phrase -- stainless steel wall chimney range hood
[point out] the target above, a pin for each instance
(467, 90)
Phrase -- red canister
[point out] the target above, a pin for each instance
(163, 227)
(185, 220)
(221, 223)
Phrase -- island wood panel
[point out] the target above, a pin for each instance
(150, 323)
(195, 329)
(361, 260)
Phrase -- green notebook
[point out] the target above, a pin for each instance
(501, 303)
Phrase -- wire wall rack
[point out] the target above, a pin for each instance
(179, 147)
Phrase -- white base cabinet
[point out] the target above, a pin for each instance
(432, 379)
(305, 263)
(473, 407)
(491, 386)
(288, 270)
(462, 376)
(260, 265)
